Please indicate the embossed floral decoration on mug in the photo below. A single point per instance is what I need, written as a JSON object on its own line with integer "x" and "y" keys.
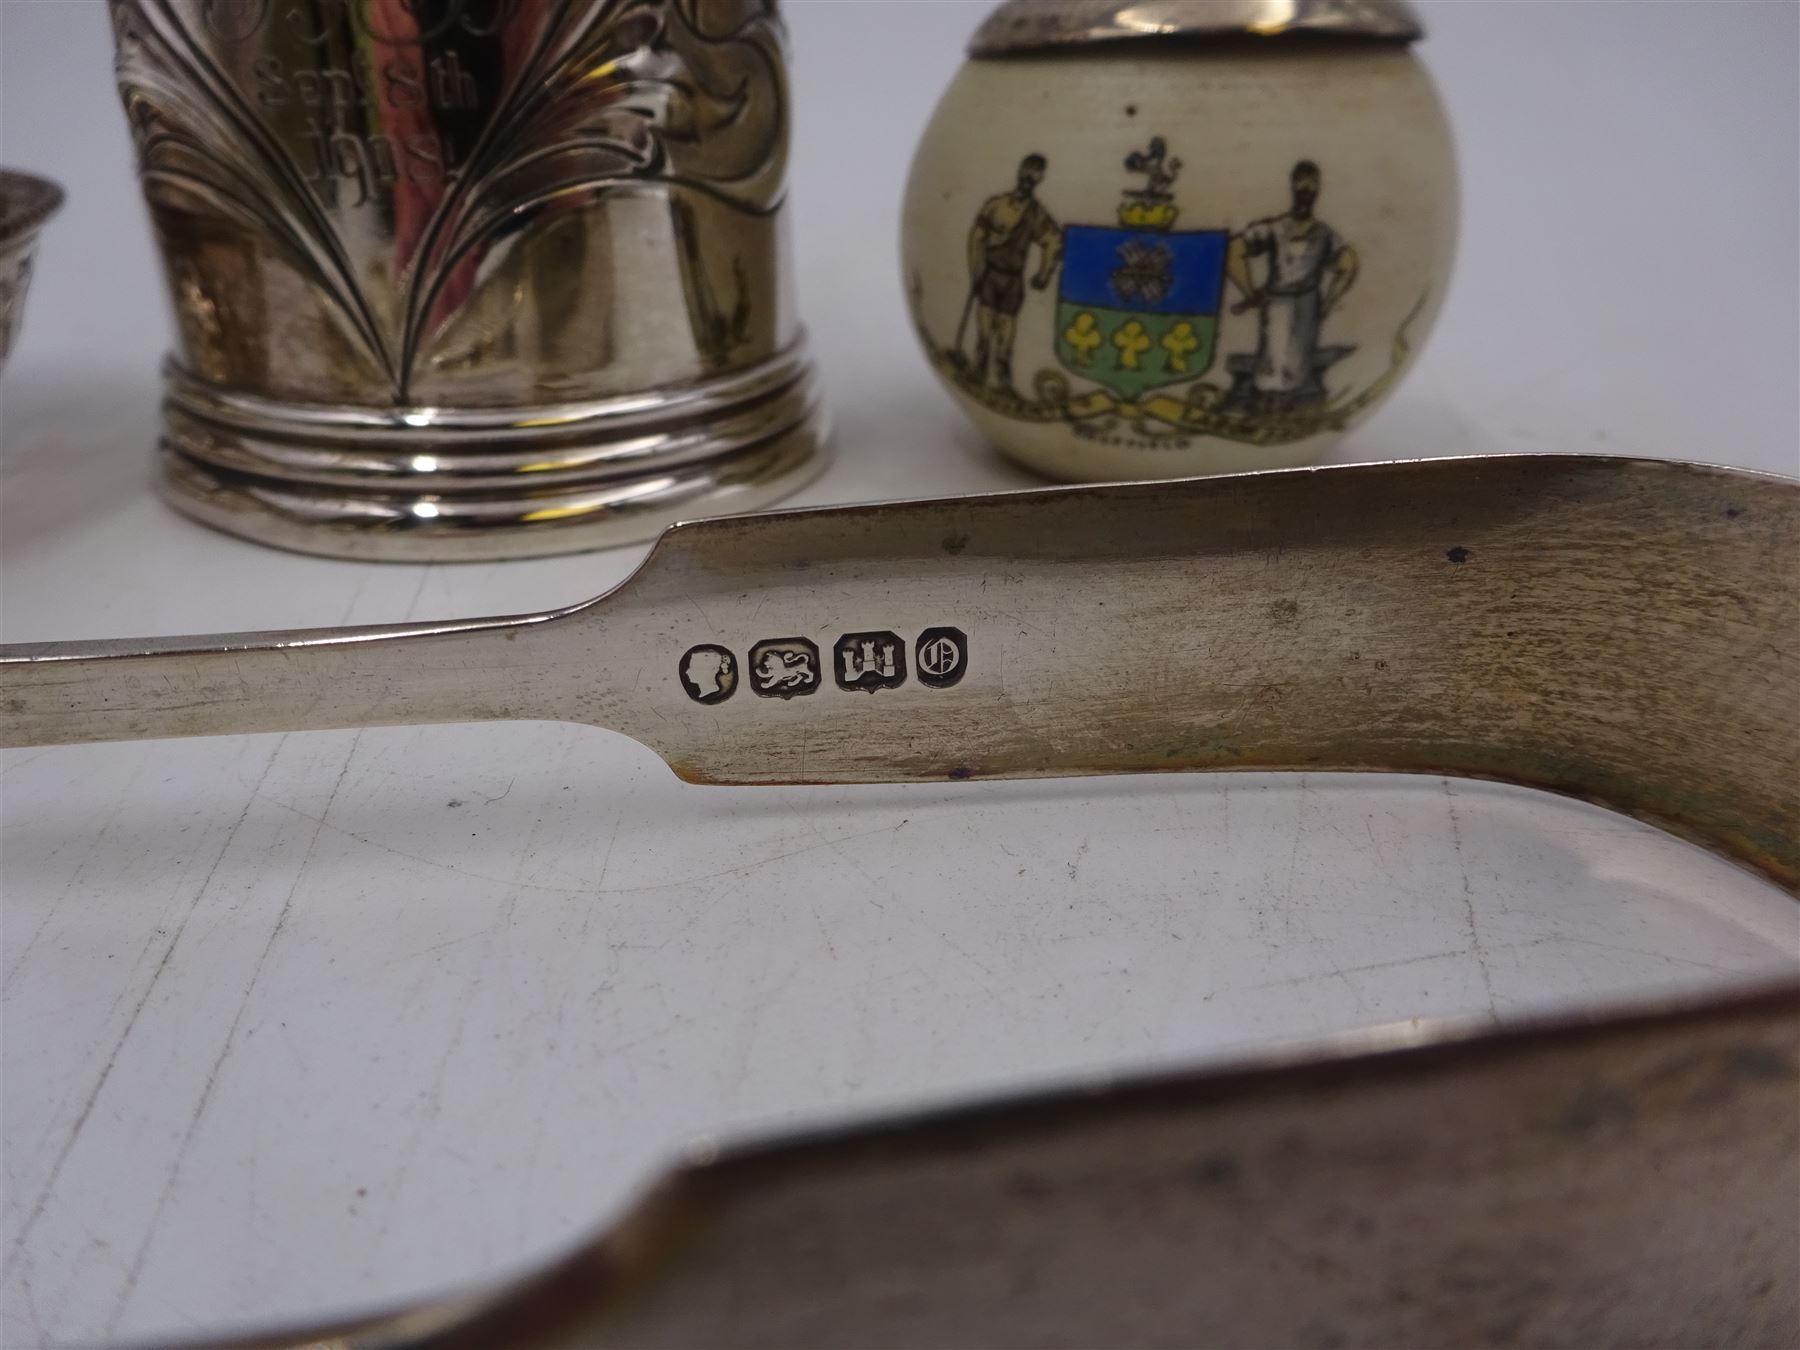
{"x": 470, "y": 278}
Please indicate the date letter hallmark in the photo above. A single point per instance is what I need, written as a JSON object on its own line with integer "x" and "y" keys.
{"x": 943, "y": 656}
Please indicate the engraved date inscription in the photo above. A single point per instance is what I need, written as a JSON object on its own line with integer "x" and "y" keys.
{"x": 336, "y": 105}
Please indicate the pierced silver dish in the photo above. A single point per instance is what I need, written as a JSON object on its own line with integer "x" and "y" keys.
{"x": 26, "y": 202}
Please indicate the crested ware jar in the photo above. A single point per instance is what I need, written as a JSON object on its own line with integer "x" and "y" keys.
{"x": 1171, "y": 237}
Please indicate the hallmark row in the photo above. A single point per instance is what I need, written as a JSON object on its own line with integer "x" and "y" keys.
{"x": 792, "y": 667}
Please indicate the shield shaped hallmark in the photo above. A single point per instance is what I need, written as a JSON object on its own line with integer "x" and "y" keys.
{"x": 1139, "y": 309}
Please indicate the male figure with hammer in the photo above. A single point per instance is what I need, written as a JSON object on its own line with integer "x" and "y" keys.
{"x": 999, "y": 249}
{"x": 1309, "y": 269}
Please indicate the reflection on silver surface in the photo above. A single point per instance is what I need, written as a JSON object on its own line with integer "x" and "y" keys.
{"x": 507, "y": 260}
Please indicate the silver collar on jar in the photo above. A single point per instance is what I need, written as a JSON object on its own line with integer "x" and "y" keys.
{"x": 1020, "y": 26}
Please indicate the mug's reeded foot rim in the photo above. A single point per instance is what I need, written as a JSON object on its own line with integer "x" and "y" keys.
{"x": 412, "y": 528}
{"x": 435, "y": 485}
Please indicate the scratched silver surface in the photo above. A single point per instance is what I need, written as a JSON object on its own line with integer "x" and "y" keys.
{"x": 1463, "y": 616}
{"x": 1303, "y": 619}
{"x": 299, "y": 1023}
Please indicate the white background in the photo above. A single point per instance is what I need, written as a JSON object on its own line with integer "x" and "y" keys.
{"x": 294, "y": 1025}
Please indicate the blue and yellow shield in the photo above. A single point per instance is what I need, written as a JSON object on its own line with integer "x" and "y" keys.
{"x": 1139, "y": 309}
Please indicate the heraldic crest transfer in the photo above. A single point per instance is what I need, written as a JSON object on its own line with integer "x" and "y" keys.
{"x": 1139, "y": 308}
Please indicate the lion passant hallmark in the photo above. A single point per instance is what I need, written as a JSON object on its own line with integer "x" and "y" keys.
{"x": 1205, "y": 259}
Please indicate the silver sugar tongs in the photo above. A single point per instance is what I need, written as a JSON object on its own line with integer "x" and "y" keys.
{"x": 1620, "y": 630}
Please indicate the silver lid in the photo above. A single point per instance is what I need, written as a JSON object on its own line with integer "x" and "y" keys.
{"x": 1018, "y": 27}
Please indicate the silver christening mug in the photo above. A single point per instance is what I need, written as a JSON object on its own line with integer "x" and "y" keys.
{"x": 470, "y": 278}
